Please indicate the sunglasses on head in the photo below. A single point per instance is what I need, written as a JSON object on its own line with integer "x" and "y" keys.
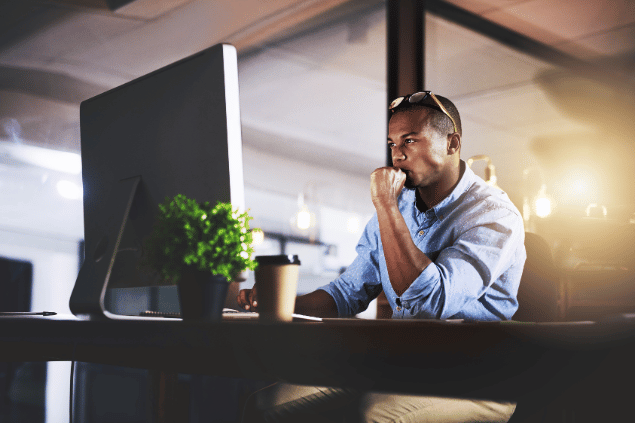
{"x": 421, "y": 97}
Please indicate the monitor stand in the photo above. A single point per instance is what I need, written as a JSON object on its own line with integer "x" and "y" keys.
{"x": 87, "y": 299}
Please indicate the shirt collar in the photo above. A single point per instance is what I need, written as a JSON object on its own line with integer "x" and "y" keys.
{"x": 448, "y": 203}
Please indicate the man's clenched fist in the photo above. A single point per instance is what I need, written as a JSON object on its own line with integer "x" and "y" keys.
{"x": 386, "y": 184}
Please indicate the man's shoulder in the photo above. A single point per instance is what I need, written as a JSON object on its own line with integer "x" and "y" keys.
{"x": 482, "y": 198}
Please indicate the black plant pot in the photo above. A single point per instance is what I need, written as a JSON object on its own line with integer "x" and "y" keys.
{"x": 202, "y": 295}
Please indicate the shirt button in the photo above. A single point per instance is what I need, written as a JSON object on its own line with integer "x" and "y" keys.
{"x": 398, "y": 308}
{"x": 421, "y": 233}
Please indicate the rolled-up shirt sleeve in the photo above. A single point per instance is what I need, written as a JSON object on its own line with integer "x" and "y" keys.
{"x": 464, "y": 271}
{"x": 360, "y": 283}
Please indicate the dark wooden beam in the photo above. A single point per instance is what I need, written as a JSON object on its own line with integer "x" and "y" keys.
{"x": 405, "y": 44}
{"x": 405, "y": 28}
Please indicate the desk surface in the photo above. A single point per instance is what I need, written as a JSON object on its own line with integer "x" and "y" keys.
{"x": 490, "y": 360}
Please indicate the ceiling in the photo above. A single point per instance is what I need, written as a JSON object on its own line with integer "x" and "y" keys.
{"x": 298, "y": 95}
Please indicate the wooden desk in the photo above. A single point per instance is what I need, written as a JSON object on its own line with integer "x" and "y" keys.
{"x": 504, "y": 361}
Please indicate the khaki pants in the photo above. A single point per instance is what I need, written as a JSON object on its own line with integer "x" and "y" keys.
{"x": 294, "y": 403}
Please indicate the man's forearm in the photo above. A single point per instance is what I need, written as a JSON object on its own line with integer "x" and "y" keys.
{"x": 404, "y": 260}
{"x": 317, "y": 303}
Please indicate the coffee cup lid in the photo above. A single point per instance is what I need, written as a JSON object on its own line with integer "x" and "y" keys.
{"x": 278, "y": 259}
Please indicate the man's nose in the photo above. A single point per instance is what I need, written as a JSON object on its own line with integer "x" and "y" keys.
{"x": 397, "y": 154}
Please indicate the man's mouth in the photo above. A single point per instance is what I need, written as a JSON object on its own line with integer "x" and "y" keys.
{"x": 408, "y": 183}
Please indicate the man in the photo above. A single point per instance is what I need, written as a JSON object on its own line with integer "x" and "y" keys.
{"x": 442, "y": 244}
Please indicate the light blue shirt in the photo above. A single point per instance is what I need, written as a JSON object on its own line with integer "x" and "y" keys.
{"x": 475, "y": 239}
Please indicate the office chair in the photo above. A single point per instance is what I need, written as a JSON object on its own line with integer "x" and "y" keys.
{"x": 539, "y": 291}
{"x": 538, "y": 299}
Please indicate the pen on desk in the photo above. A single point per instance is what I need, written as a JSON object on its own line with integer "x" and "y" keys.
{"x": 27, "y": 313}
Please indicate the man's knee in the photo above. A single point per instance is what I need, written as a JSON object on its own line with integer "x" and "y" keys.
{"x": 293, "y": 403}
{"x": 380, "y": 408}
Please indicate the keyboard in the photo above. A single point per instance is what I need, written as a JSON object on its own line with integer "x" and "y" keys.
{"x": 228, "y": 314}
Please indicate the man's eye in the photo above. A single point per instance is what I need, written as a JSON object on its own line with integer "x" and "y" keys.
{"x": 409, "y": 141}
{"x": 391, "y": 144}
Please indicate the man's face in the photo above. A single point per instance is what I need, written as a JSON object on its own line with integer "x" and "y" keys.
{"x": 417, "y": 148}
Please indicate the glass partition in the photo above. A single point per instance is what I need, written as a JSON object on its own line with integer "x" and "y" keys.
{"x": 544, "y": 127}
{"x": 314, "y": 127}
{"x": 560, "y": 141}
{"x": 505, "y": 110}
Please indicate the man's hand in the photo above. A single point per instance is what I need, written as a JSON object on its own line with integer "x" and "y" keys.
{"x": 386, "y": 184}
{"x": 404, "y": 261}
{"x": 317, "y": 303}
{"x": 248, "y": 299}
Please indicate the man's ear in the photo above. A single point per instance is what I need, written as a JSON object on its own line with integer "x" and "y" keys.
{"x": 454, "y": 143}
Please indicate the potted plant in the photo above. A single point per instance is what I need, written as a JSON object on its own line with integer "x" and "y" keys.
{"x": 201, "y": 249}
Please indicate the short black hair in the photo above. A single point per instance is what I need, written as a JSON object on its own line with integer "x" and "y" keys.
{"x": 438, "y": 119}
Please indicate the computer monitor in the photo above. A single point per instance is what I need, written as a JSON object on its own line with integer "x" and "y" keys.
{"x": 173, "y": 131}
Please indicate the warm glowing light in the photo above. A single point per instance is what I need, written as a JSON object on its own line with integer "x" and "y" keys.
{"x": 303, "y": 218}
{"x": 70, "y": 190}
{"x": 258, "y": 237}
{"x": 592, "y": 210}
{"x": 352, "y": 224}
{"x": 526, "y": 210}
{"x": 579, "y": 186}
{"x": 543, "y": 207}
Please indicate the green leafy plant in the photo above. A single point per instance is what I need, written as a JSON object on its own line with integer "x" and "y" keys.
{"x": 189, "y": 235}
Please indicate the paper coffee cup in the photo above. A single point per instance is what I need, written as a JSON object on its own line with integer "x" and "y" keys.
{"x": 277, "y": 285}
